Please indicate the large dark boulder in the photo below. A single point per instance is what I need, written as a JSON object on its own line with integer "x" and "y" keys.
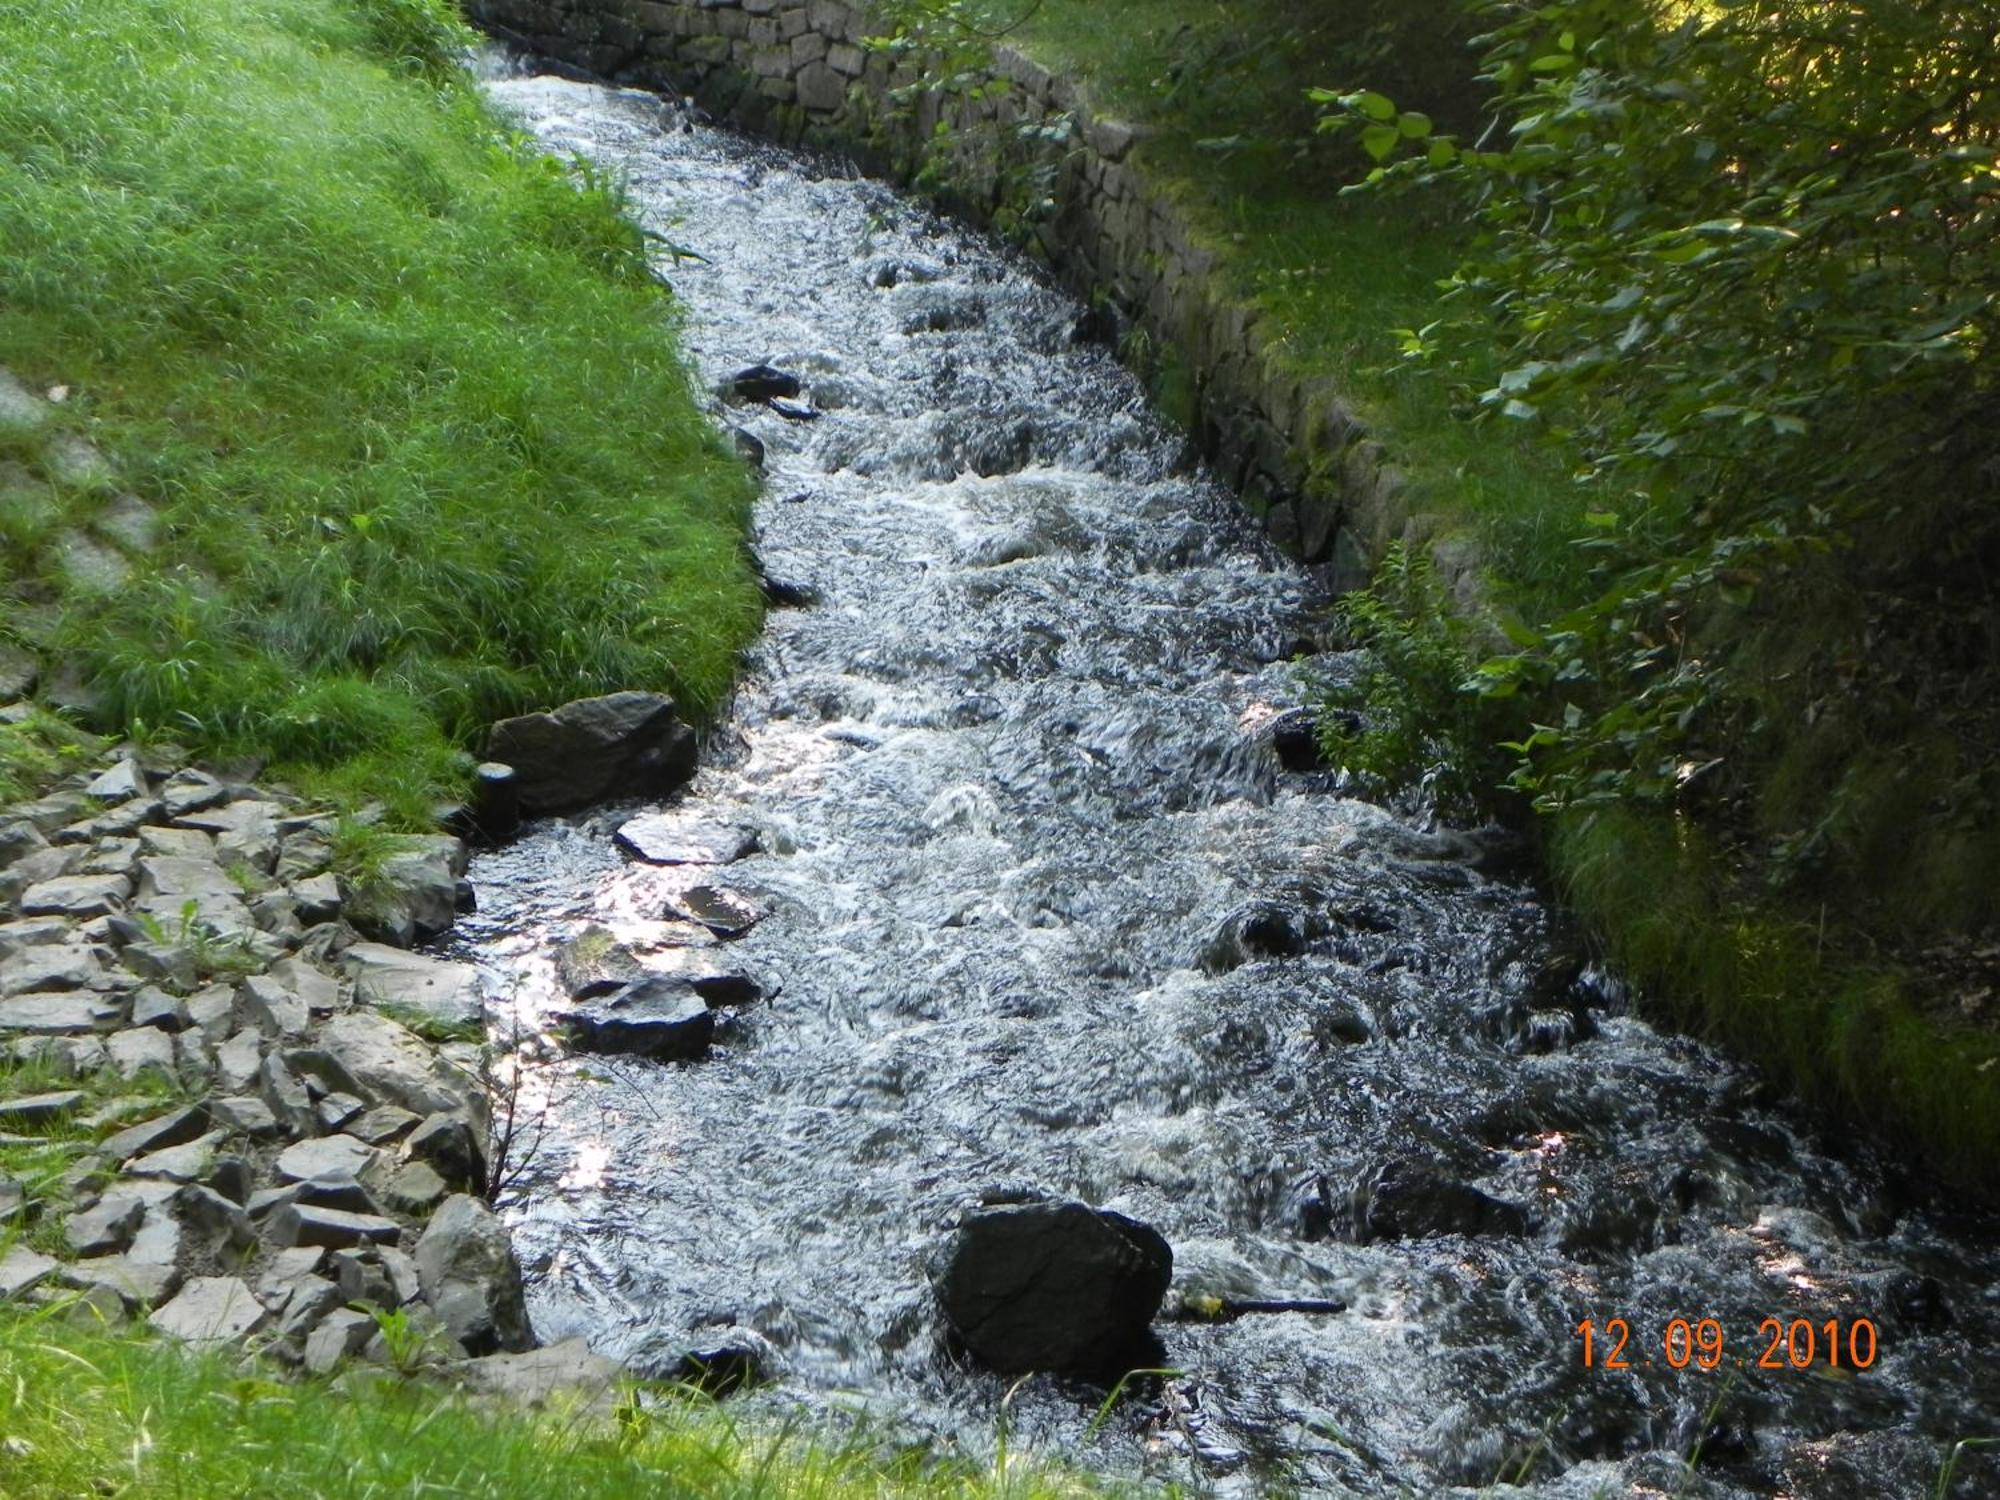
{"x": 664, "y": 1017}
{"x": 623, "y": 743}
{"x": 1056, "y": 1287}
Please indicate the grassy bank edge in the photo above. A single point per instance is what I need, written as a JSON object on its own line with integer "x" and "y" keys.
{"x": 87, "y": 1409}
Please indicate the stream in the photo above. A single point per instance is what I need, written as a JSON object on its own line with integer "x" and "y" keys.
{"x": 1046, "y": 912}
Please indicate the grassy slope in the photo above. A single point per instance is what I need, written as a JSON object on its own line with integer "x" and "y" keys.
{"x": 1221, "y": 84}
{"x": 403, "y": 392}
{"x": 87, "y": 1412}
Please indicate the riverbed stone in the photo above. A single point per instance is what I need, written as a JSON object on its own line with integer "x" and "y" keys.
{"x": 185, "y": 1163}
{"x": 52, "y": 966}
{"x": 117, "y": 784}
{"x": 470, "y": 1278}
{"x": 629, "y": 743}
{"x": 670, "y": 839}
{"x": 1059, "y": 1287}
{"x": 662, "y": 1017}
{"x": 595, "y": 963}
{"x": 726, "y": 913}
{"x": 211, "y": 1311}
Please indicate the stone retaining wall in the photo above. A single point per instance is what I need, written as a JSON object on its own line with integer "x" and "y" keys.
{"x": 1031, "y": 159}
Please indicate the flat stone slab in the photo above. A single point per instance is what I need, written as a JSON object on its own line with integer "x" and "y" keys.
{"x": 137, "y": 1283}
{"x": 178, "y": 875}
{"x": 324, "y": 1156}
{"x": 118, "y": 784}
{"x": 385, "y": 976}
{"x": 51, "y": 966}
{"x": 78, "y": 896}
{"x": 533, "y": 1379}
{"x": 187, "y": 1163}
{"x": 21, "y": 1270}
{"x": 19, "y": 406}
{"x": 211, "y": 1310}
{"x": 72, "y": 1014}
{"x": 726, "y": 913}
{"x": 672, "y": 839}
{"x": 174, "y": 1129}
{"x": 336, "y": 1229}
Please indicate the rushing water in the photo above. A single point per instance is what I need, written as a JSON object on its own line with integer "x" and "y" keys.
{"x": 1045, "y": 912}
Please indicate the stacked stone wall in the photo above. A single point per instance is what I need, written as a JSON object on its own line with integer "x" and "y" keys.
{"x": 1029, "y": 158}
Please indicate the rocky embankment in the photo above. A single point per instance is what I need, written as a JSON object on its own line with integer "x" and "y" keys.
{"x": 227, "y": 1105}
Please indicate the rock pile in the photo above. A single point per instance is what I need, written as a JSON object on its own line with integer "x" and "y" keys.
{"x": 250, "y": 1144}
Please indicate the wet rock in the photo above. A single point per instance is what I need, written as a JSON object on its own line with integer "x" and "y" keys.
{"x": 794, "y": 411}
{"x": 1294, "y": 737}
{"x": 728, "y": 914}
{"x": 717, "y": 1361}
{"x": 668, "y": 839}
{"x": 627, "y": 743}
{"x": 471, "y": 1279}
{"x": 1057, "y": 1287}
{"x": 211, "y": 1311}
{"x": 393, "y": 979}
{"x": 1259, "y": 931}
{"x": 1405, "y": 1201}
{"x": 760, "y": 383}
{"x": 749, "y": 447}
{"x": 334, "y": 1228}
{"x": 595, "y": 963}
{"x": 662, "y": 1017}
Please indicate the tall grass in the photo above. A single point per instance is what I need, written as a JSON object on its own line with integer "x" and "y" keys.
{"x": 404, "y": 392}
{"x": 86, "y": 1411}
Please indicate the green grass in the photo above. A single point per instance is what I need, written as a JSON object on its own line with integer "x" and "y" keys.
{"x": 86, "y": 1411}
{"x": 1851, "y": 1037}
{"x": 35, "y": 752}
{"x": 403, "y": 393}
{"x": 1220, "y": 85}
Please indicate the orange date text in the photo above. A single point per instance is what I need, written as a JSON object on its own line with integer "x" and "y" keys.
{"x": 1780, "y": 1344}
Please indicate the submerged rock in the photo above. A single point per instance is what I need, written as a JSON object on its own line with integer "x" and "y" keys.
{"x": 761, "y": 383}
{"x": 663, "y": 1017}
{"x": 1404, "y": 1201}
{"x": 1057, "y": 1287}
{"x": 626, "y": 743}
{"x": 719, "y": 1361}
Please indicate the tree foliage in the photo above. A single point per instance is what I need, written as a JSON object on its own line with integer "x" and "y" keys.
{"x": 1742, "y": 255}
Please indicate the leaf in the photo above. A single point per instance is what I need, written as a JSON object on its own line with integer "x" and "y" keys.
{"x": 1375, "y": 106}
{"x": 1379, "y": 140}
{"x": 1442, "y": 153}
{"x": 1554, "y": 62}
{"x": 1413, "y": 125}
